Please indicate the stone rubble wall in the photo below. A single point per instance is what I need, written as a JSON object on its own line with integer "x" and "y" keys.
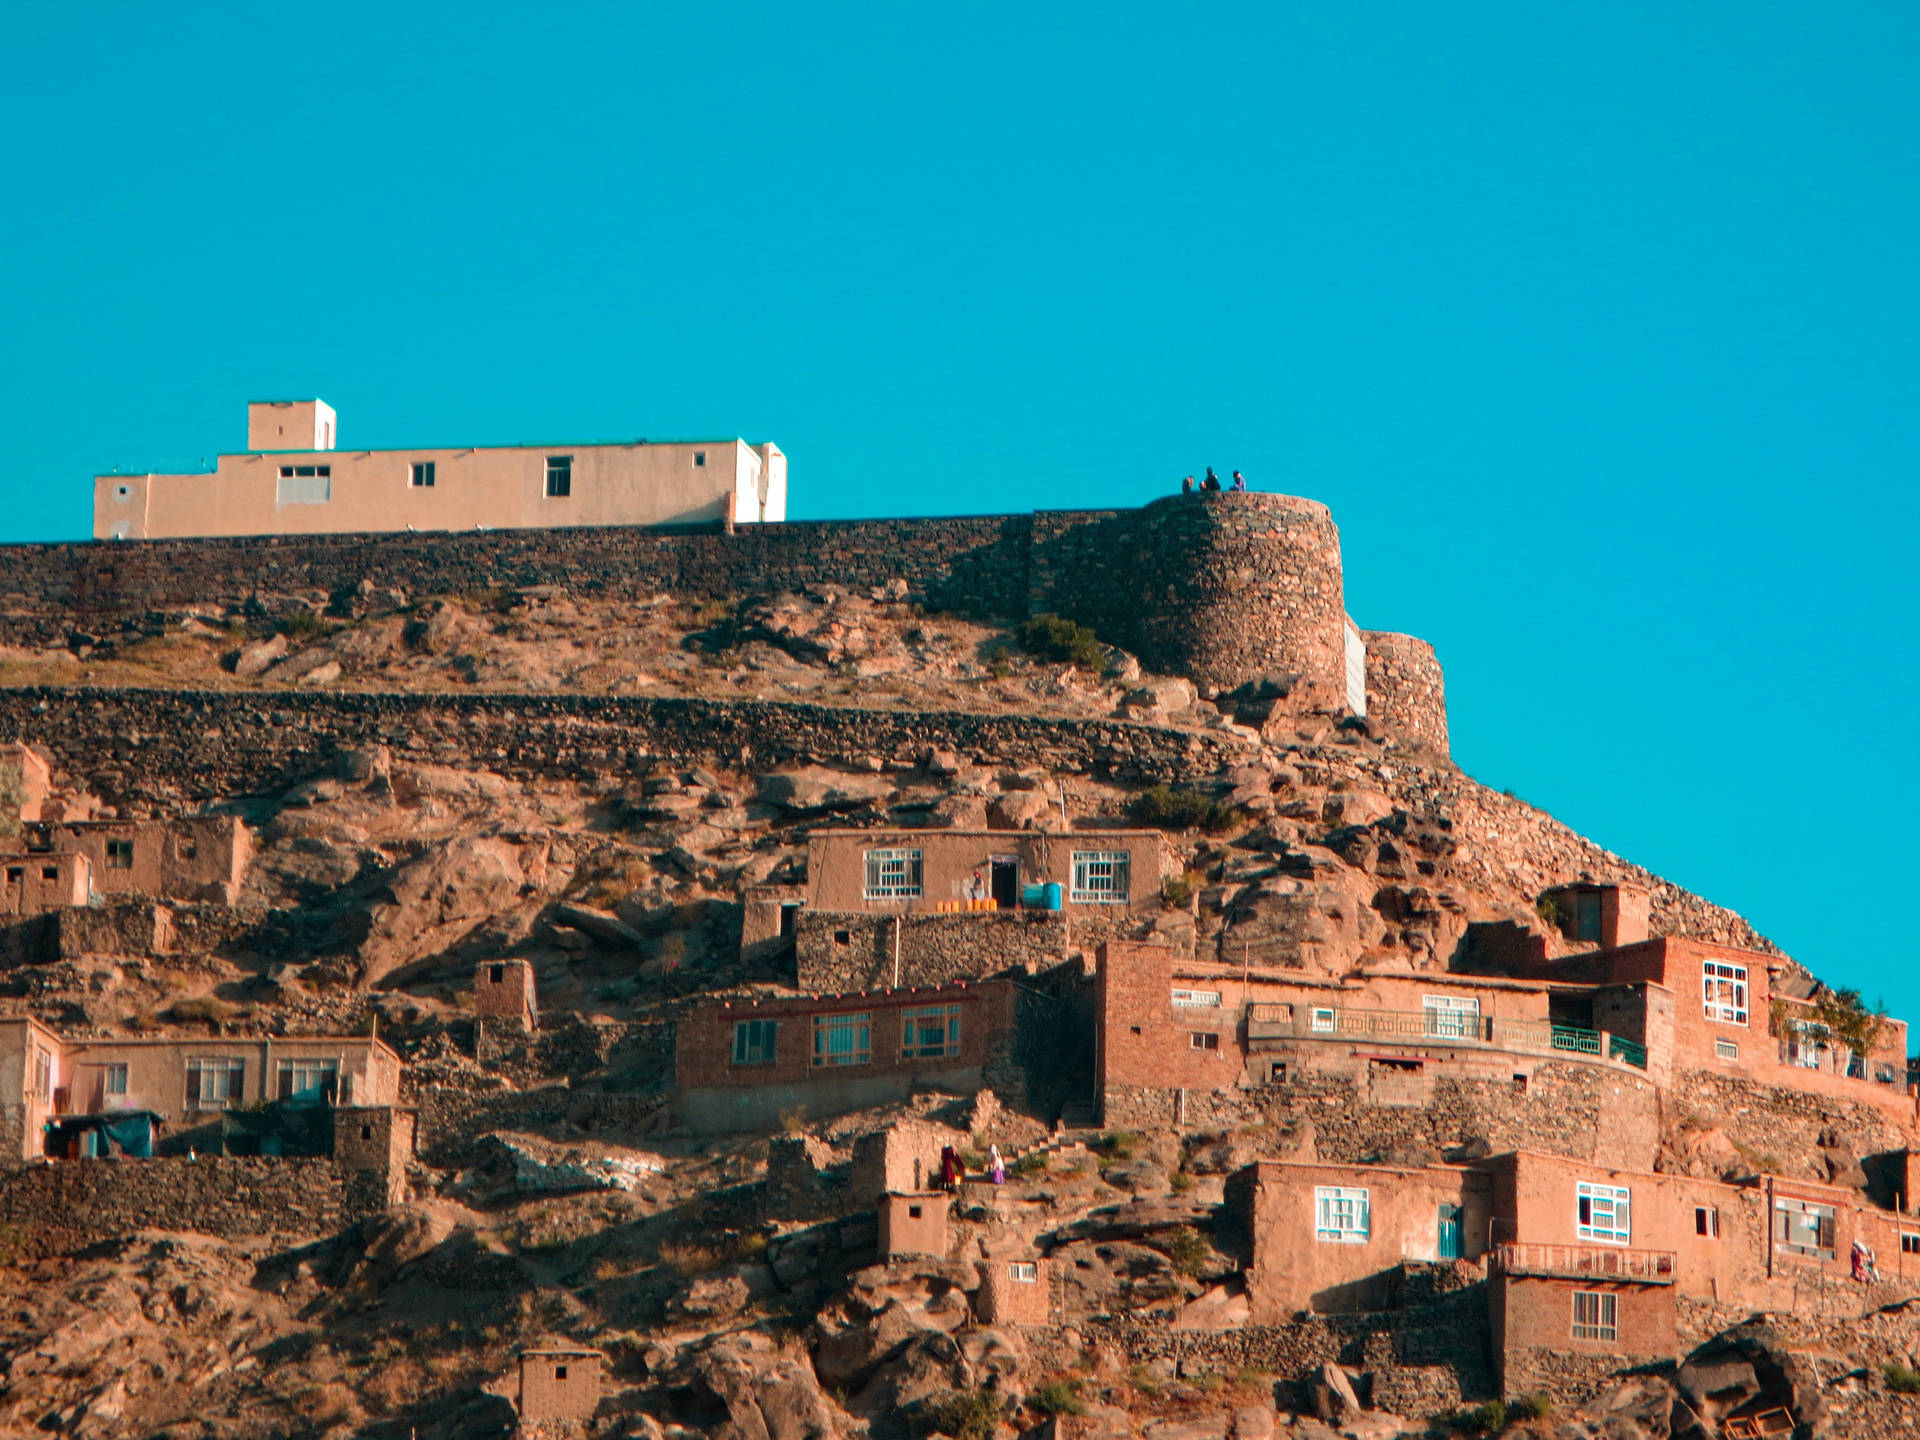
{"x": 172, "y": 747}
{"x": 453, "y": 1124}
{"x": 55, "y": 1208}
{"x": 935, "y": 949}
{"x": 1406, "y": 689}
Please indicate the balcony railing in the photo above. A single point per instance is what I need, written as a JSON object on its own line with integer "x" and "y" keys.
{"x": 1270, "y": 1022}
{"x": 1585, "y": 1262}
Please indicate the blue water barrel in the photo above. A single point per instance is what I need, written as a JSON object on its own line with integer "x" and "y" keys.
{"x": 1033, "y": 897}
{"x": 1056, "y": 898}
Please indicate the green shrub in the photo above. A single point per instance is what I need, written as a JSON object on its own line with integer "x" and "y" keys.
{"x": 999, "y": 666}
{"x": 1029, "y": 1165}
{"x": 1176, "y": 891}
{"x": 1050, "y": 637}
{"x": 1489, "y": 1417}
{"x": 1142, "y": 1380}
{"x": 1902, "y": 1380}
{"x": 965, "y": 1414}
{"x": 1058, "y": 1397}
{"x": 1537, "y": 1406}
{"x": 1119, "y": 1144}
{"x": 1181, "y": 1182}
{"x": 1165, "y": 808}
{"x": 1188, "y": 1250}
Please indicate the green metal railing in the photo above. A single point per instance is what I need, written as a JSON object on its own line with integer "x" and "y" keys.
{"x": 1580, "y": 1042}
{"x": 1631, "y": 1051}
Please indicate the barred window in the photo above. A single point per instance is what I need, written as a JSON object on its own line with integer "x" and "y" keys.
{"x": 1323, "y": 1021}
{"x": 842, "y": 1039}
{"x": 753, "y": 1041}
{"x": 893, "y": 874}
{"x": 930, "y": 1031}
{"x": 1726, "y": 1049}
{"x": 1340, "y": 1215}
{"x": 1723, "y": 990}
{"x": 1605, "y": 1213}
{"x": 1452, "y": 1017}
{"x": 1023, "y": 1272}
{"x": 1596, "y": 1315}
{"x": 1101, "y": 877}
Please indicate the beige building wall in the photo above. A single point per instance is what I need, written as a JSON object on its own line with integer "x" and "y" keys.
{"x": 34, "y": 884}
{"x": 279, "y": 489}
{"x": 954, "y": 861}
{"x": 291, "y": 425}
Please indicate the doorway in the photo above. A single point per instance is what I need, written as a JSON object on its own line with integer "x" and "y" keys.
{"x": 1449, "y": 1231}
{"x": 1006, "y": 881}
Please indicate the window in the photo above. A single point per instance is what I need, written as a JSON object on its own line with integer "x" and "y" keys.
{"x": 930, "y": 1031}
{"x": 423, "y": 474}
{"x": 1341, "y": 1216}
{"x": 1604, "y": 1213}
{"x": 1706, "y": 1221}
{"x": 116, "y": 1080}
{"x": 559, "y": 475}
{"x": 1909, "y": 1243}
{"x": 1452, "y": 1017}
{"x": 1322, "y": 1022}
{"x": 753, "y": 1041}
{"x": 1723, "y": 990}
{"x": 119, "y": 854}
{"x": 366, "y": 1132}
{"x": 841, "y": 1039}
{"x": 308, "y": 1082}
{"x": 1202, "y": 1040}
{"x": 185, "y": 847}
{"x": 1196, "y": 999}
{"x": 913, "y": 1212}
{"x": 49, "y": 872}
{"x": 1024, "y": 1272}
{"x": 699, "y": 459}
{"x": 497, "y": 974}
{"x": 559, "y": 1372}
{"x": 1100, "y": 877}
{"x": 42, "y": 1073}
{"x": 305, "y": 485}
{"x": 1595, "y": 1315}
{"x": 1586, "y": 915}
{"x": 16, "y": 873}
{"x": 893, "y": 874}
{"x": 215, "y": 1084}
{"x": 1803, "y": 1228}
{"x": 1883, "y": 1075}
{"x": 1806, "y": 1043}
{"x": 1727, "y": 1049}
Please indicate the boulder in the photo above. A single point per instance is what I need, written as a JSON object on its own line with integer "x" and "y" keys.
{"x": 255, "y": 658}
{"x": 1333, "y": 1397}
{"x": 814, "y": 789}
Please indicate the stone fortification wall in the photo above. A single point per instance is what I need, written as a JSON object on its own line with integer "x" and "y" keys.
{"x": 1587, "y": 1112}
{"x": 174, "y": 746}
{"x": 1225, "y": 587}
{"x": 54, "y": 1208}
{"x": 1406, "y": 689}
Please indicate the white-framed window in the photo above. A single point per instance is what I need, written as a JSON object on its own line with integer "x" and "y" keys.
{"x": 930, "y": 1031}
{"x": 843, "y": 1039}
{"x": 1452, "y": 1017}
{"x": 308, "y": 1082}
{"x": 753, "y": 1041}
{"x": 1101, "y": 877}
{"x": 1806, "y": 1043}
{"x": 216, "y": 1084}
{"x": 1195, "y": 999}
{"x": 893, "y": 874}
{"x": 559, "y": 476}
{"x": 1804, "y": 1228}
{"x": 1202, "y": 1040}
{"x": 1706, "y": 1222}
{"x": 1909, "y": 1243}
{"x": 1726, "y": 1049}
{"x": 116, "y": 1083}
{"x": 1341, "y": 1216}
{"x": 1024, "y": 1272}
{"x": 1604, "y": 1213}
{"x": 423, "y": 474}
{"x": 1596, "y": 1315}
{"x": 1323, "y": 1020}
{"x": 1723, "y": 991}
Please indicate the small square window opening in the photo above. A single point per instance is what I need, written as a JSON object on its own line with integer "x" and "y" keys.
{"x": 49, "y": 872}
{"x": 423, "y": 474}
{"x": 119, "y": 854}
{"x": 559, "y": 476}
{"x": 559, "y": 1372}
{"x": 913, "y": 1212}
{"x": 1706, "y": 1221}
{"x": 699, "y": 458}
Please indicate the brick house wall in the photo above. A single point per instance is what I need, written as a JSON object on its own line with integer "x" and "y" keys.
{"x": 1007, "y": 1296}
{"x": 375, "y": 1141}
{"x": 33, "y": 883}
{"x": 1535, "y": 1348}
{"x": 560, "y": 1384}
{"x": 841, "y": 950}
{"x": 954, "y": 863}
{"x": 504, "y": 990}
{"x": 191, "y": 858}
{"x": 714, "y": 1093}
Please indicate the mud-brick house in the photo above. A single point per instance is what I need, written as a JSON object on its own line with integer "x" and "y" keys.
{"x": 743, "y": 1063}
{"x": 915, "y": 907}
{"x": 200, "y": 858}
{"x": 59, "y": 1096}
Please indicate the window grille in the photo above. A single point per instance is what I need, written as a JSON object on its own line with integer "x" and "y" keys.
{"x": 1726, "y": 1049}
{"x": 1101, "y": 877}
{"x": 1023, "y": 1272}
{"x": 1342, "y": 1216}
{"x": 1452, "y": 1017}
{"x": 1596, "y": 1315}
{"x": 753, "y": 1041}
{"x": 1605, "y": 1213}
{"x": 216, "y": 1084}
{"x": 893, "y": 874}
{"x": 1801, "y": 1227}
{"x": 842, "y": 1039}
{"x": 1723, "y": 990}
{"x": 1323, "y": 1021}
{"x": 930, "y": 1031}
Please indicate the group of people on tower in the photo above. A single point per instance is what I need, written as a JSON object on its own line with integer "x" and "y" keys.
{"x": 1212, "y": 482}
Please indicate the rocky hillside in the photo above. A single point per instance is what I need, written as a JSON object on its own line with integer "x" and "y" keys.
{"x": 729, "y": 1297}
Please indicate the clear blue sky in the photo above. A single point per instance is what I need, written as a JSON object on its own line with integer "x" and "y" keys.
{"x": 1596, "y": 325}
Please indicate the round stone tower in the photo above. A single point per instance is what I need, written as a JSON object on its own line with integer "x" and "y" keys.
{"x": 1406, "y": 689}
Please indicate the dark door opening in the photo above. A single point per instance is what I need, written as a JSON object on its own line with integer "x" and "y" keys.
{"x": 789, "y": 919}
{"x": 1006, "y": 881}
